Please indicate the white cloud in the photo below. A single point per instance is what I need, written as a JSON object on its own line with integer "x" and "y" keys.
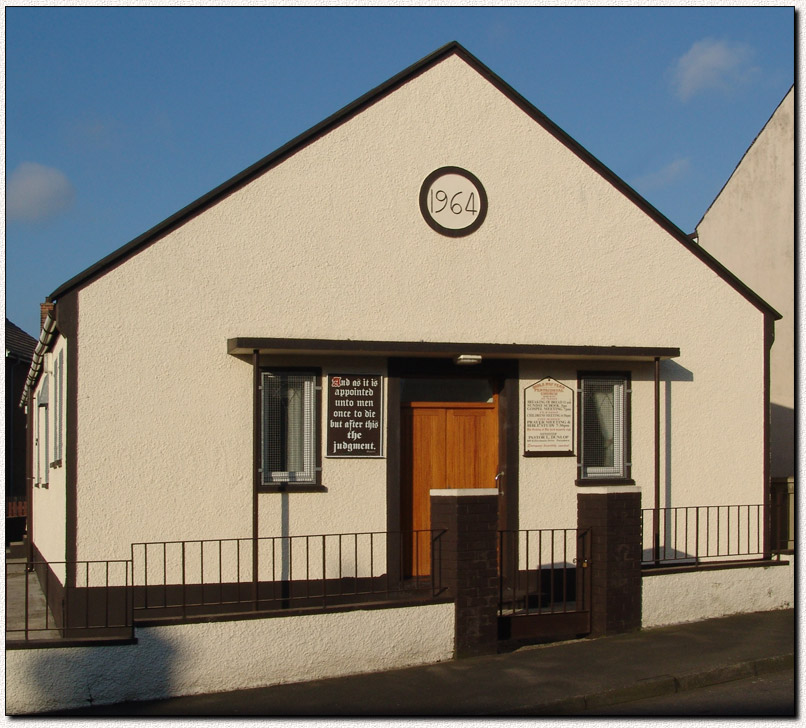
{"x": 664, "y": 176}
{"x": 712, "y": 65}
{"x": 36, "y": 192}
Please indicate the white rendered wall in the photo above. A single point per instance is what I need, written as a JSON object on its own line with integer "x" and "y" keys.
{"x": 331, "y": 244}
{"x": 49, "y": 503}
{"x": 193, "y": 659}
{"x": 750, "y": 227}
{"x": 697, "y": 595}
{"x": 207, "y": 493}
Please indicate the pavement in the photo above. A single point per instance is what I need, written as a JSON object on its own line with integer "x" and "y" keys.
{"x": 558, "y": 679}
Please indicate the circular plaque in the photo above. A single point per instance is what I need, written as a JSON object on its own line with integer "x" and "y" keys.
{"x": 453, "y": 201}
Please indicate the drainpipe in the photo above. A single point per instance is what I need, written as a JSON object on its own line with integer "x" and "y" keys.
{"x": 29, "y": 487}
{"x": 769, "y": 340}
{"x": 656, "y": 510}
{"x": 256, "y": 468}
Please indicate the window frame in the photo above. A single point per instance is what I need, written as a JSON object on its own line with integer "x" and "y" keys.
{"x": 621, "y": 474}
{"x": 274, "y": 486}
{"x": 43, "y": 433}
{"x": 58, "y": 408}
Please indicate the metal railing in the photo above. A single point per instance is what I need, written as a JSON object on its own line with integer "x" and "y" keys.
{"x": 696, "y": 534}
{"x": 209, "y": 576}
{"x": 543, "y": 571}
{"x": 68, "y": 599}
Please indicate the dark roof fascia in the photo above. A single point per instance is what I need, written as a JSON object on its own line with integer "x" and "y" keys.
{"x": 359, "y": 105}
{"x": 243, "y": 346}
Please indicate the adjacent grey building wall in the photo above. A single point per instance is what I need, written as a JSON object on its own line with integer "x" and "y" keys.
{"x": 750, "y": 228}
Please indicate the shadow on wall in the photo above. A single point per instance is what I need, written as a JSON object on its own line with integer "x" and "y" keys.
{"x": 57, "y": 680}
{"x": 782, "y": 441}
{"x": 670, "y": 371}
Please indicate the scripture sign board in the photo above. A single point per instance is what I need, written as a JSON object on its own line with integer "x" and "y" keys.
{"x": 548, "y": 410}
{"x": 354, "y": 403}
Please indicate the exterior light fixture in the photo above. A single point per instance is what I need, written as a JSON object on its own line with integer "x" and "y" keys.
{"x": 467, "y": 360}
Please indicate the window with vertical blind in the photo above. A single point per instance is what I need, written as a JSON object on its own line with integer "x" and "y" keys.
{"x": 42, "y": 434}
{"x": 289, "y": 425}
{"x": 58, "y": 407}
{"x": 604, "y": 426}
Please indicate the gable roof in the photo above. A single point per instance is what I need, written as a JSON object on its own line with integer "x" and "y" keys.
{"x": 345, "y": 114}
{"x": 19, "y": 344}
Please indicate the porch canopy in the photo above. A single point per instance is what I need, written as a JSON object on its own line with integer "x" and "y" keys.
{"x": 247, "y": 346}
{"x": 253, "y": 347}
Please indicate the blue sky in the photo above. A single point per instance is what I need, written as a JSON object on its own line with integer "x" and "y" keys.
{"x": 118, "y": 117}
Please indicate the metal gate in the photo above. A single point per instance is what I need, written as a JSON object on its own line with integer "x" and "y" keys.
{"x": 544, "y": 584}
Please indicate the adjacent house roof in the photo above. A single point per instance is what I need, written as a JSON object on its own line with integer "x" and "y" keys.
{"x": 19, "y": 344}
{"x": 132, "y": 248}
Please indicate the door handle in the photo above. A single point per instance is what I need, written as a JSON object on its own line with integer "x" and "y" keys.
{"x": 498, "y": 481}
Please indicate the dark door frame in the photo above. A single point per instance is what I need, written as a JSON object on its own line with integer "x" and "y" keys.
{"x": 505, "y": 372}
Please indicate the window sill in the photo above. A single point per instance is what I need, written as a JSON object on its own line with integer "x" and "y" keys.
{"x": 291, "y": 488}
{"x": 604, "y": 481}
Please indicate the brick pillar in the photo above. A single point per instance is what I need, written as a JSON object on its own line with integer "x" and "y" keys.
{"x": 469, "y": 552}
{"x": 615, "y": 520}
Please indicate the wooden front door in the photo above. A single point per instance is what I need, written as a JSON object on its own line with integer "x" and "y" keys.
{"x": 444, "y": 445}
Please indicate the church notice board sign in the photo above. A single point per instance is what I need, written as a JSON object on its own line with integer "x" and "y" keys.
{"x": 548, "y": 416}
{"x": 354, "y": 409}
